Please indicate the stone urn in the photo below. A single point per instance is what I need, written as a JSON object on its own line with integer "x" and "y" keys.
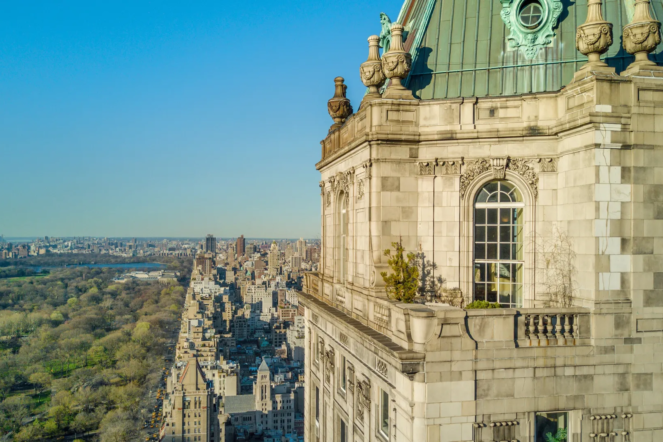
{"x": 594, "y": 37}
{"x": 396, "y": 65}
{"x": 641, "y": 37}
{"x": 339, "y": 106}
{"x": 371, "y": 71}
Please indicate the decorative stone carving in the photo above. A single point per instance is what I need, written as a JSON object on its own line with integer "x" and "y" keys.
{"x": 538, "y": 31}
{"x": 426, "y": 168}
{"x": 547, "y": 164}
{"x": 396, "y": 64}
{"x": 329, "y": 357}
{"x": 381, "y": 367}
{"x": 473, "y": 170}
{"x": 523, "y": 169}
{"x": 641, "y": 37}
{"x": 367, "y": 168}
{"x": 363, "y": 398}
{"x": 499, "y": 168}
{"x": 339, "y": 106}
{"x": 381, "y": 315}
{"x": 322, "y": 188}
{"x": 328, "y": 199}
{"x": 449, "y": 167}
{"x": 315, "y": 318}
{"x": 371, "y": 71}
{"x": 344, "y": 339}
{"x": 360, "y": 189}
{"x": 594, "y": 37}
{"x": 385, "y": 33}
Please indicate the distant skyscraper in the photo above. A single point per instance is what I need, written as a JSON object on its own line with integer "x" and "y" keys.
{"x": 301, "y": 247}
{"x": 250, "y": 249}
{"x": 273, "y": 259}
{"x": 210, "y": 244}
{"x": 241, "y": 246}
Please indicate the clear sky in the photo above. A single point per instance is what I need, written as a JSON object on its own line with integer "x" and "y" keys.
{"x": 172, "y": 118}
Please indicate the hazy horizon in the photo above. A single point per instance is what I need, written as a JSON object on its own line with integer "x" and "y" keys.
{"x": 161, "y": 119}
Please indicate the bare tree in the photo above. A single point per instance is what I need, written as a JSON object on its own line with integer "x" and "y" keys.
{"x": 560, "y": 268}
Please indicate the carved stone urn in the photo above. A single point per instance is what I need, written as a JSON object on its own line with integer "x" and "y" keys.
{"x": 339, "y": 106}
{"x": 641, "y": 37}
{"x": 371, "y": 71}
{"x": 594, "y": 37}
{"x": 396, "y": 65}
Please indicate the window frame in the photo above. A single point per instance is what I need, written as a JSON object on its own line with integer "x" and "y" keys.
{"x": 569, "y": 424}
{"x": 343, "y": 384}
{"x": 384, "y": 411}
{"x": 516, "y": 221}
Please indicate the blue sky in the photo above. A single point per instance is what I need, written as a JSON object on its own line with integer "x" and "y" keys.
{"x": 165, "y": 118}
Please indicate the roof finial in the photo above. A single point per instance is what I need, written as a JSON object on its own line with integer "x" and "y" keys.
{"x": 339, "y": 106}
{"x": 594, "y": 37}
{"x": 641, "y": 37}
{"x": 396, "y": 65}
{"x": 371, "y": 71}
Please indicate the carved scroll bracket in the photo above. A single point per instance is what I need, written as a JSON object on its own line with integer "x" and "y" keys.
{"x": 499, "y": 166}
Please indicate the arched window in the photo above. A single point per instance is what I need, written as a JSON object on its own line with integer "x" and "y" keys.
{"x": 343, "y": 238}
{"x": 498, "y": 244}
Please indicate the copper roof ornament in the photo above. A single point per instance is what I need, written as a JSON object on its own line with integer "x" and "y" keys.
{"x": 371, "y": 71}
{"x": 593, "y": 38}
{"x": 396, "y": 64}
{"x": 641, "y": 37}
{"x": 339, "y": 106}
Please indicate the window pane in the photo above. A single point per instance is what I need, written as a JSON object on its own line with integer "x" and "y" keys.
{"x": 483, "y": 195}
{"x": 492, "y": 251}
{"x": 492, "y": 233}
{"x": 491, "y": 295}
{"x": 505, "y": 251}
{"x": 480, "y": 251}
{"x": 480, "y": 292}
{"x": 493, "y": 197}
{"x": 384, "y": 415}
{"x": 492, "y": 187}
{"x": 480, "y": 232}
{"x": 505, "y": 233}
{"x": 480, "y": 216}
{"x": 505, "y": 216}
{"x": 492, "y": 216}
{"x": 555, "y": 424}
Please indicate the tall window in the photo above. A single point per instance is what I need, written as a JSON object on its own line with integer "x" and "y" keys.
{"x": 343, "y": 238}
{"x": 317, "y": 413}
{"x": 344, "y": 379}
{"x": 344, "y": 432}
{"x": 384, "y": 413}
{"x": 498, "y": 244}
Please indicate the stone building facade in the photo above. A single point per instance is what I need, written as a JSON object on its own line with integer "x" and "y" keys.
{"x": 550, "y": 203}
{"x": 190, "y": 412}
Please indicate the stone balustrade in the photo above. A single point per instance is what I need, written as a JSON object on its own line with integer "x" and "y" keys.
{"x": 415, "y": 326}
{"x": 548, "y": 327}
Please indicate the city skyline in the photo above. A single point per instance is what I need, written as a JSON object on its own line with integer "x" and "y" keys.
{"x": 126, "y": 119}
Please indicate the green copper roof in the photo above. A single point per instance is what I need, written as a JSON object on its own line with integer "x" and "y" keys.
{"x": 461, "y": 48}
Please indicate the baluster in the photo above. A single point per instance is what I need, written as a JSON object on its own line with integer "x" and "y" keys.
{"x": 537, "y": 328}
{"x": 545, "y": 328}
{"x": 575, "y": 327}
{"x": 530, "y": 329}
{"x": 567, "y": 328}
{"x": 558, "y": 328}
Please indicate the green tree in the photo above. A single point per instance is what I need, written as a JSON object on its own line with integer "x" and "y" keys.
{"x": 403, "y": 280}
{"x": 29, "y": 433}
{"x": 42, "y": 379}
{"x": 14, "y": 409}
